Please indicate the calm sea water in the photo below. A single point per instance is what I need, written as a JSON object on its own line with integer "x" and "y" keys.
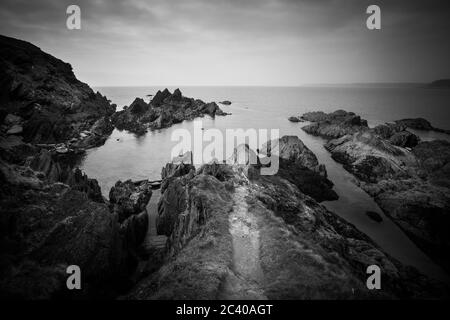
{"x": 126, "y": 156}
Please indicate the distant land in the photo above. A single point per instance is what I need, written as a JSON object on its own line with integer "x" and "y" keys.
{"x": 442, "y": 83}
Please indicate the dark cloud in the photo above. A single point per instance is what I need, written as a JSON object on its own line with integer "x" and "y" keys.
{"x": 238, "y": 42}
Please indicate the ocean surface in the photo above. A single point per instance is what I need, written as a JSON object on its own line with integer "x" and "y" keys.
{"x": 127, "y": 156}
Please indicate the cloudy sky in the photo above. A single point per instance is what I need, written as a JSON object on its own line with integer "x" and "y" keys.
{"x": 238, "y": 42}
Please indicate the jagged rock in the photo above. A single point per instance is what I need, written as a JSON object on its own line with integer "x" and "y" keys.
{"x": 55, "y": 168}
{"x": 164, "y": 110}
{"x": 55, "y": 106}
{"x": 333, "y": 125}
{"x": 410, "y": 187}
{"x": 292, "y": 227}
{"x": 48, "y": 226}
{"x": 291, "y": 148}
{"x": 130, "y": 198}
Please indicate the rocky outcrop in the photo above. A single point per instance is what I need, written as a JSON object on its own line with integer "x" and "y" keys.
{"x": 164, "y": 110}
{"x": 43, "y": 93}
{"x": 397, "y": 135}
{"x": 410, "y": 187}
{"x": 420, "y": 124}
{"x": 333, "y": 125}
{"x": 305, "y": 251}
{"x": 300, "y": 166}
{"x": 47, "y": 226}
{"x": 130, "y": 198}
{"x": 371, "y": 158}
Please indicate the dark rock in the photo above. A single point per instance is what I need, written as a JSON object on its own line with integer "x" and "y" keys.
{"x": 333, "y": 125}
{"x": 295, "y": 119}
{"x": 129, "y": 198}
{"x": 48, "y": 226}
{"x": 45, "y": 92}
{"x": 374, "y": 216}
{"x": 164, "y": 110}
{"x": 404, "y": 139}
{"x": 195, "y": 210}
{"x": 417, "y": 123}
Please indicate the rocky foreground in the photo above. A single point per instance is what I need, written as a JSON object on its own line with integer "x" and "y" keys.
{"x": 234, "y": 234}
{"x": 52, "y": 215}
{"x": 409, "y": 179}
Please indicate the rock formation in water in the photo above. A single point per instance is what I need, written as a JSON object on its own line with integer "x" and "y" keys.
{"x": 164, "y": 110}
{"x": 411, "y": 187}
{"x": 293, "y": 248}
{"x": 333, "y": 125}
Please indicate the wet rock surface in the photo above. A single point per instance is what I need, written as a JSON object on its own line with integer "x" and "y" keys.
{"x": 164, "y": 110}
{"x": 280, "y": 229}
{"x": 408, "y": 179}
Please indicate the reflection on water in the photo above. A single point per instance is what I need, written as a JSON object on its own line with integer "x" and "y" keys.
{"x": 125, "y": 156}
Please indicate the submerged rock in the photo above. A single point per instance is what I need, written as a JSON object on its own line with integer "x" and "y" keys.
{"x": 374, "y": 216}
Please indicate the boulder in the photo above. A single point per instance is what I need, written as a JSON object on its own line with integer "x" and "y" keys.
{"x": 129, "y": 198}
{"x": 15, "y": 129}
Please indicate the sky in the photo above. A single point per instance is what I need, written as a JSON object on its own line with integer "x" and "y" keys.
{"x": 238, "y": 42}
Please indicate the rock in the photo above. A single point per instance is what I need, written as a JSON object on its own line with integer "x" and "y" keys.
{"x": 129, "y": 198}
{"x": 48, "y": 226}
{"x": 369, "y": 157}
{"x": 404, "y": 139}
{"x": 163, "y": 111}
{"x": 410, "y": 187}
{"x": 308, "y": 181}
{"x": 374, "y": 216}
{"x": 14, "y": 150}
{"x": 386, "y": 131}
{"x": 62, "y": 149}
{"x": 295, "y": 119}
{"x": 44, "y": 91}
{"x": 417, "y": 123}
{"x": 15, "y": 129}
{"x": 333, "y": 125}
{"x": 12, "y": 119}
{"x": 194, "y": 213}
{"x": 225, "y": 102}
{"x": 291, "y": 148}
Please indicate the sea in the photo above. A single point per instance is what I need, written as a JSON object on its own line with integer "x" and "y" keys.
{"x": 128, "y": 156}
